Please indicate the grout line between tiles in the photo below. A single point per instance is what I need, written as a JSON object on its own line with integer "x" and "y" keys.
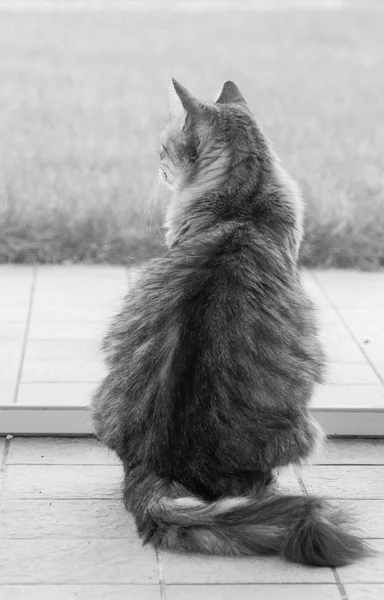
{"x": 344, "y": 322}
{"x": 256, "y": 584}
{"x": 117, "y": 464}
{"x": 66, "y": 498}
{"x": 316, "y": 282}
{"x": 160, "y": 571}
{"x": 3, "y": 463}
{"x": 118, "y": 498}
{"x": 72, "y": 464}
{"x": 32, "y": 291}
{"x": 340, "y": 586}
{"x": 191, "y": 584}
{"x": 56, "y": 381}
{"x": 300, "y": 479}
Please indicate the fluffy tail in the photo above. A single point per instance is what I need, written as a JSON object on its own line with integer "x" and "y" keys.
{"x": 299, "y": 528}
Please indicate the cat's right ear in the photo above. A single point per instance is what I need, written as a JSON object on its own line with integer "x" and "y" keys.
{"x": 230, "y": 94}
{"x": 183, "y": 103}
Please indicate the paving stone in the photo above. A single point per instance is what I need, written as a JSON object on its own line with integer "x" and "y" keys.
{"x": 342, "y": 351}
{"x": 349, "y": 396}
{"x": 366, "y": 515}
{"x": 368, "y": 328}
{"x": 66, "y": 331}
{"x": 335, "y": 330}
{"x": 347, "y": 374}
{"x": 339, "y": 345}
{"x": 56, "y": 518}
{"x": 377, "y": 360}
{"x": 9, "y": 375}
{"x": 253, "y": 592}
{"x": 192, "y": 569}
{"x": 82, "y": 287}
{"x": 63, "y": 350}
{"x": 359, "y": 452}
{"x": 14, "y": 313}
{"x": 369, "y": 570}
{"x": 67, "y": 313}
{"x": 16, "y": 272}
{"x": 328, "y": 317}
{"x": 56, "y": 394}
{"x": 54, "y": 371}
{"x": 16, "y": 287}
{"x": 287, "y": 482}
{"x": 85, "y": 592}
{"x": 9, "y": 300}
{"x": 314, "y": 290}
{"x": 10, "y": 370}
{"x": 60, "y": 451}
{"x": 7, "y": 392}
{"x": 65, "y": 280}
{"x": 353, "y": 289}
{"x": 365, "y": 324}
{"x": 20, "y": 295}
{"x": 12, "y": 331}
{"x": 344, "y": 481}
{"x": 10, "y": 352}
{"x": 365, "y": 591}
{"x": 62, "y": 481}
{"x": 104, "y": 297}
{"x": 76, "y": 561}
{"x": 48, "y": 274}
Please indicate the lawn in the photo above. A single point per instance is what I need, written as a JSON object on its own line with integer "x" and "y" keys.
{"x": 83, "y": 97}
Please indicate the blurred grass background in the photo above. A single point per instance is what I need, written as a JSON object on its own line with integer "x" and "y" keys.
{"x": 83, "y": 96}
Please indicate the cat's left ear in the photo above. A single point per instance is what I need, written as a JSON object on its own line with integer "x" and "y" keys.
{"x": 230, "y": 94}
{"x": 184, "y": 103}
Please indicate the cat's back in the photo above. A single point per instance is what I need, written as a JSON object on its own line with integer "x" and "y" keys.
{"x": 241, "y": 298}
{"x": 216, "y": 333}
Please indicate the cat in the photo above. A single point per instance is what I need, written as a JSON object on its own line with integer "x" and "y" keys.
{"x": 214, "y": 356}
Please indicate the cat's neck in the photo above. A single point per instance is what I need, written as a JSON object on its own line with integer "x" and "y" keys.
{"x": 195, "y": 208}
{"x": 186, "y": 216}
{"x": 183, "y": 210}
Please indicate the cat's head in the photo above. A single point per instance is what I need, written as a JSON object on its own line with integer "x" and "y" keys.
{"x": 205, "y": 143}
{"x": 220, "y": 165}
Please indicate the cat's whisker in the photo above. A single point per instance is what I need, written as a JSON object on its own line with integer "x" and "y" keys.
{"x": 152, "y": 205}
{"x": 148, "y": 205}
{"x": 159, "y": 202}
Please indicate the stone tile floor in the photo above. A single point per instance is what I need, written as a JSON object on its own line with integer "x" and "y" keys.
{"x": 63, "y": 529}
{"x": 64, "y": 533}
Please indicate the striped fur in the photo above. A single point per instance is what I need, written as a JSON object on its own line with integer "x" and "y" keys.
{"x": 215, "y": 355}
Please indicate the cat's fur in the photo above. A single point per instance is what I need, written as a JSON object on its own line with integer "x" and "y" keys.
{"x": 214, "y": 356}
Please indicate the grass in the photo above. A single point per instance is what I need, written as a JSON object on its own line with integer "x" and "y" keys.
{"x": 82, "y": 96}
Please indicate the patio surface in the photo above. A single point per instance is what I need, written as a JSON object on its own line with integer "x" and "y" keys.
{"x": 64, "y": 533}
{"x": 52, "y": 320}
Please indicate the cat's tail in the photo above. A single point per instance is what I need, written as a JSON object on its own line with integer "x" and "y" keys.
{"x": 299, "y": 528}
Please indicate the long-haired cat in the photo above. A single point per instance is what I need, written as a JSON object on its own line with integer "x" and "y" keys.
{"x": 214, "y": 356}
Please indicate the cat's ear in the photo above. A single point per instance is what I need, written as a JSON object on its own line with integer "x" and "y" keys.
{"x": 188, "y": 100}
{"x": 184, "y": 103}
{"x": 230, "y": 94}
{"x": 176, "y": 108}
